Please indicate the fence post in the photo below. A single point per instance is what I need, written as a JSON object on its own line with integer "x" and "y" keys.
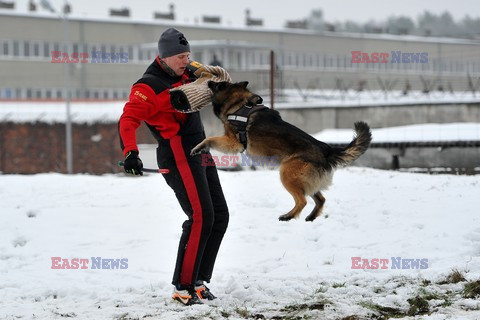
{"x": 272, "y": 78}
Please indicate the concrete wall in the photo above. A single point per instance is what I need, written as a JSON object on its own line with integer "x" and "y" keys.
{"x": 467, "y": 159}
{"x": 29, "y": 148}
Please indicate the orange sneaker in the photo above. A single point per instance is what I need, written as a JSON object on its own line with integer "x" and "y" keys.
{"x": 204, "y": 293}
{"x": 186, "y": 297}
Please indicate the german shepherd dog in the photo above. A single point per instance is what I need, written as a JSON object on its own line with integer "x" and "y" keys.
{"x": 306, "y": 164}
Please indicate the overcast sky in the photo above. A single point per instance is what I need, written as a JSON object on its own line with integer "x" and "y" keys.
{"x": 274, "y": 13}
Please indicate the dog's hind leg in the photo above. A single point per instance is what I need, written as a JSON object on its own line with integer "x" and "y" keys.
{"x": 317, "y": 210}
{"x": 292, "y": 177}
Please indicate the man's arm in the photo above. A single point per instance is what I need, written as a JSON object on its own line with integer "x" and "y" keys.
{"x": 140, "y": 106}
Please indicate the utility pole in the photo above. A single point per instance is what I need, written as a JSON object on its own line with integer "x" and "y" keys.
{"x": 272, "y": 79}
{"x": 66, "y": 83}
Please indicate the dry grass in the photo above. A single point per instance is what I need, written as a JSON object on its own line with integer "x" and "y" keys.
{"x": 472, "y": 289}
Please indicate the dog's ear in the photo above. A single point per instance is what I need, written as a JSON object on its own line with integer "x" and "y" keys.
{"x": 212, "y": 85}
{"x": 222, "y": 85}
{"x": 243, "y": 84}
{"x": 217, "y": 86}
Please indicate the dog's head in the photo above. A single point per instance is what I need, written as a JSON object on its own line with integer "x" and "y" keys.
{"x": 229, "y": 97}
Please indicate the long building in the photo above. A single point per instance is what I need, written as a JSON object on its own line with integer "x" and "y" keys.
{"x": 114, "y": 52}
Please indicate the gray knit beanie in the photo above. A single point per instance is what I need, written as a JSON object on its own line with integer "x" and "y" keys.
{"x": 172, "y": 42}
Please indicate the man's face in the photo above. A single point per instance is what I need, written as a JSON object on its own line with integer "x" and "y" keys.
{"x": 178, "y": 62}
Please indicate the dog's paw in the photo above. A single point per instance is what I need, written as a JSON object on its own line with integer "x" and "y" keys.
{"x": 310, "y": 218}
{"x": 199, "y": 148}
{"x": 285, "y": 217}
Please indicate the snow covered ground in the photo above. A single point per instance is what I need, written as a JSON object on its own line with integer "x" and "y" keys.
{"x": 266, "y": 269}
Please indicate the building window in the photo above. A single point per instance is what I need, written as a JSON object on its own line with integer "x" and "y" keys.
{"x": 319, "y": 60}
{"x": 313, "y": 60}
{"x": 130, "y": 52}
{"x": 239, "y": 60}
{"x": 83, "y": 47}
{"x": 258, "y": 58}
{"x": 16, "y": 49}
{"x": 26, "y": 49}
{"x": 7, "y": 93}
{"x": 300, "y": 60}
{"x": 46, "y": 50}
{"x": 6, "y": 48}
{"x": 36, "y": 49}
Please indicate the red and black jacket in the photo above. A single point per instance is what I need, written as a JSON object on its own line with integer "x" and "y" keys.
{"x": 149, "y": 101}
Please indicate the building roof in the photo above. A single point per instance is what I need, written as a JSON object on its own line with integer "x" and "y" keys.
{"x": 169, "y": 23}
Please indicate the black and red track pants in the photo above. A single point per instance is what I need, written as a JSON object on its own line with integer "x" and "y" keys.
{"x": 198, "y": 190}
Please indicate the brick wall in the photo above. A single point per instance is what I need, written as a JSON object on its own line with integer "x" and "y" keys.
{"x": 28, "y": 148}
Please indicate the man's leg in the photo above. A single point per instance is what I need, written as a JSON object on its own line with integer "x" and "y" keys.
{"x": 189, "y": 180}
{"x": 221, "y": 217}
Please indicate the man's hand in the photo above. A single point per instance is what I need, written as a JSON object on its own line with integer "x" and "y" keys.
{"x": 132, "y": 164}
{"x": 193, "y": 66}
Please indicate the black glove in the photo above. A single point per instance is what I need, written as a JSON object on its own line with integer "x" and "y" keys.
{"x": 132, "y": 164}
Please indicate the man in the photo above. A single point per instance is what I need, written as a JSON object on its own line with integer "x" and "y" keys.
{"x": 196, "y": 187}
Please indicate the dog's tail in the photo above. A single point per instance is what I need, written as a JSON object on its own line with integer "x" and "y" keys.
{"x": 359, "y": 144}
